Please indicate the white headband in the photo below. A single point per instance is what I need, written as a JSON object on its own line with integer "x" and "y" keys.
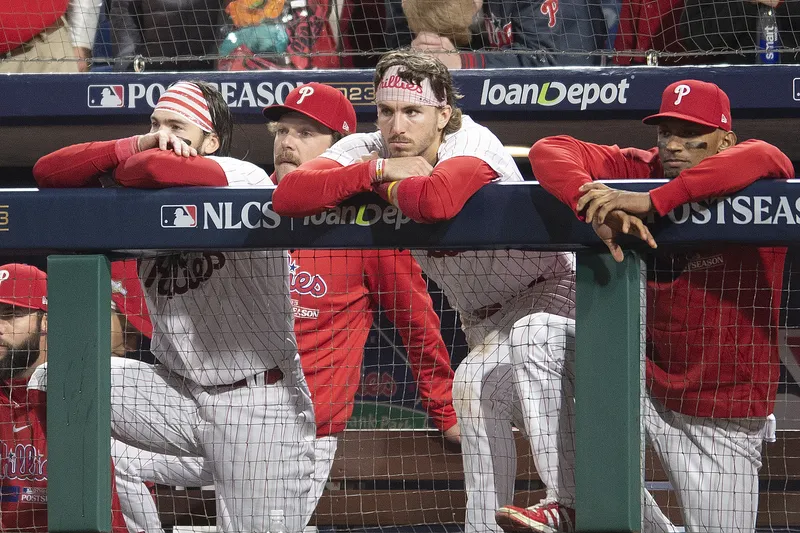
{"x": 393, "y": 88}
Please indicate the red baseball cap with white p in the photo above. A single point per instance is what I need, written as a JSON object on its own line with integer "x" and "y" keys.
{"x": 23, "y": 286}
{"x": 127, "y": 296}
{"x": 320, "y": 102}
{"x": 695, "y": 101}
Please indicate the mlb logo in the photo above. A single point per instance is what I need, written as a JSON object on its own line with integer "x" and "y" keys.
{"x": 178, "y": 216}
{"x": 106, "y": 96}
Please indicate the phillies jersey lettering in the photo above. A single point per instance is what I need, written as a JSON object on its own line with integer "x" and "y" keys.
{"x": 22, "y": 461}
{"x": 179, "y": 273}
{"x": 302, "y": 282}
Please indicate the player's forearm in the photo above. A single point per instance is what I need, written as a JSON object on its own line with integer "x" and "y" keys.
{"x": 442, "y": 195}
{"x": 81, "y": 165}
{"x": 723, "y": 174}
{"x": 310, "y": 190}
{"x": 159, "y": 169}
{"x": 431, "y": 369}
{"x": 559, "y": 168}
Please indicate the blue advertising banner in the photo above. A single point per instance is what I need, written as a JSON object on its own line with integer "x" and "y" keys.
{"x": 129, "y": 97}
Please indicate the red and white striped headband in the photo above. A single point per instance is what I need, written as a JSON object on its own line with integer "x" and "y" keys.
{"x": 187, "y": 100}
{"x": 393, "y": 88}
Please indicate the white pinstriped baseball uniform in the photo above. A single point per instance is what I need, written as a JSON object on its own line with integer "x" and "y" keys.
{"x": 220, "y": 318}
{"x": 512, "y": 284}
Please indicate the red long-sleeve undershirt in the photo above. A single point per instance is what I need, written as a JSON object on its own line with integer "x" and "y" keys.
{"x": 157, "y": 169}
{"x": 321, "y": 184}
{"x": 81, "y": 165}
{"x": 562, "y": 164}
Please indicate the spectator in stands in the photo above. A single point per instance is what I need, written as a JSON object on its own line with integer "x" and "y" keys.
{"x": 712, "y": 361}
{"x": 732, "y": 25}
{"x": 23, "y": 401}
{"x": 688, "y": 28}
{"x": 302, "y": 34}
{"x": 168, "y": 34}
{"x": 646, "y": 25}
{"x": 48, "y": 35}
{"x": 539, "y": 31}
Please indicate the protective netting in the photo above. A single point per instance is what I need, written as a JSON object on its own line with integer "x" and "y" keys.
{"x": 79, "y": 35}
{"x": 211, "y": 414}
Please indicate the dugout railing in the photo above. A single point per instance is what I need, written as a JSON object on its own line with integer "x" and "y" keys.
{"x": 77, "y": 226}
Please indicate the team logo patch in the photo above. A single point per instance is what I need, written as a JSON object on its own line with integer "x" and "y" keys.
{"x": 106, "y": 96}
{"x": 305, "y": 92}
{"x": 178, "y": 216}
{"x": 34, "y": 494}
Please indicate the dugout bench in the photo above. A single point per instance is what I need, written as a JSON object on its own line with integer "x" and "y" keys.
{"x": 395, "y": 478}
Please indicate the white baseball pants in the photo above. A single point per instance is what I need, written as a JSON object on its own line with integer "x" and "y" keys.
{"x": 257, "y": 440}
{"x": 135, "y": 466}
{"x": 712, "y": 463}
{"x": 487, "y": 404}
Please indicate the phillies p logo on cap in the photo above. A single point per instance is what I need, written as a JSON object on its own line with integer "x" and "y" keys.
{"x": 304, "y": 91}
{"x": 681, "y": 90}
{"x": 323, "y": 103}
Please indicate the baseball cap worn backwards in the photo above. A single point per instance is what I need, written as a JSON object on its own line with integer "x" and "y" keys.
{"x": 320, "y": 102}
{"x": 23, "y": 286}
{"x": 695, "y": 101}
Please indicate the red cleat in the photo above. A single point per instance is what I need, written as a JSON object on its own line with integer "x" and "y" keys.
{"x": 544, "y": 517}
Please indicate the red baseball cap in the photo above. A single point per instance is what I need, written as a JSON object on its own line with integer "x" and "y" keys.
{"x": 127, "y": 296}
{"x": 23, "y": 286}
{"x": 695, "y": 101}
{"x": 320, "y": 102}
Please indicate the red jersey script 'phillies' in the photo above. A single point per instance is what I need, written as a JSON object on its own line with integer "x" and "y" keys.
{"x": 23, "y": 460}
{"x": 712, "y": 316}
{"x": 333, "y": 294}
